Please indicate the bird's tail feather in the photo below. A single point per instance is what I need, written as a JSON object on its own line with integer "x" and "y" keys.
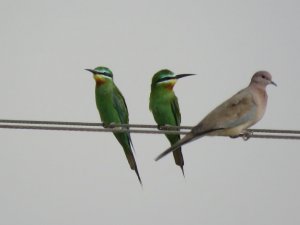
{"x": 178, "y": 157}
{"x": 187, "y": 138}
{"x": 133, "y": 165}
{"x": 125, "y": 140}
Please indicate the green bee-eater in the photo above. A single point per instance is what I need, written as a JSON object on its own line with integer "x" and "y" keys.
{"x": 113, "y": 110}
{"x": 165, "y": 108}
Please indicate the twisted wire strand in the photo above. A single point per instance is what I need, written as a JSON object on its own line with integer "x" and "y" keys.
{"x": 148, "y": 129}
{"x": 87, "y": 129}
{"x": 86, "y": 124}
{"x": 167, "y": 127}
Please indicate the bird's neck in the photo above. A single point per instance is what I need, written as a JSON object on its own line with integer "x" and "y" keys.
{"x": 163, "y": 91}
{"x": 260, "y": 88}
{"x": 100, "y": 83}
{"x": 103, "y": 88}
{"x": 169, "y": 86}
{"x": 260, "y": 95}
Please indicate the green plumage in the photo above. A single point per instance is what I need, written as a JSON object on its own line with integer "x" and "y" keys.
{"x": 113, "y": 110}
{"x": 165, "y": 108}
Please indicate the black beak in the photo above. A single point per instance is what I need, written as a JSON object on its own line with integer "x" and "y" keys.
{"x": 183, "y": 75}
{"x": 92, "y": 71}
{"x": 272, "y": 82}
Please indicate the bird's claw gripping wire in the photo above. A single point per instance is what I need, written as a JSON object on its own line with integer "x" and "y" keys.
{"x": 111, "y": 126}
{"x": 247, "y": 135}
{"x": 165, "y": 127}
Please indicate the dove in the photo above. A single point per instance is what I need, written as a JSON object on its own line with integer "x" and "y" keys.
{"x": 234, "y": 116}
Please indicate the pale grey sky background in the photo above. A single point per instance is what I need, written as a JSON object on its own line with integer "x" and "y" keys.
{"x": 70, "y": 178}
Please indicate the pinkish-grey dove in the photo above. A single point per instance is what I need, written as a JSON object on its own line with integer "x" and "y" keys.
{"x": 233, "y": 116}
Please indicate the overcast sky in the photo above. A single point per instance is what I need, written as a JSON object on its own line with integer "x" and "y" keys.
{"x": 74, "y": 178}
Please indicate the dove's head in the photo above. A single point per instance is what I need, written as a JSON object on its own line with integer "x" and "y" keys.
{"x": 262, "y": 78}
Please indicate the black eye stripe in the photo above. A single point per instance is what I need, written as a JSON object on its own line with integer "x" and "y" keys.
{"x": 165, "y": 78}
{"x": 106, "y": 74}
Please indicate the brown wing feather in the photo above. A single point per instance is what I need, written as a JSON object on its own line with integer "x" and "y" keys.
{"x": 236, "y": 110}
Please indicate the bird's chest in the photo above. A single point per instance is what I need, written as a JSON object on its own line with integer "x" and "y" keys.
{"x": 104, "y": 100}
{"x": 161, "y": 104}
{"x": 260, "y": 99}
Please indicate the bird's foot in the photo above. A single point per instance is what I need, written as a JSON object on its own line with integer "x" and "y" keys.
{"x": 109, "y": 125}
{"x": 160, "y": 127}
{"x": 165, "y": 127}
{"x": 247, "y": 135}
{"x": 236, "y": 136}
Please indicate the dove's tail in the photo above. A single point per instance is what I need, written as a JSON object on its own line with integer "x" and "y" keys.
{"x": 187, "y": 138}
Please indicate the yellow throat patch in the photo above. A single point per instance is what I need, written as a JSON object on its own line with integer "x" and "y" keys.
{"x": 170, "y": 84}
{"x": 99, "y": 79}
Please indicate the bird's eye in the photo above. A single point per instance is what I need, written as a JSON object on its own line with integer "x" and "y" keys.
{"x": 263, "y": 76}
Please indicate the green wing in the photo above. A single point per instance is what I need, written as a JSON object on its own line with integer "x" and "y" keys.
{"x": 120, "y": 106}
{"x": 176, "y": 111}
{"x": 124, "y": 138}
{"x": 178, "y": 157}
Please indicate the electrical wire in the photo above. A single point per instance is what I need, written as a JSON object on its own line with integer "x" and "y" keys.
{"x": 146, "y": 128}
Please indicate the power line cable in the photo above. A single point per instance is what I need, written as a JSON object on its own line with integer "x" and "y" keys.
{"x": 88, "y": 124}
{"x": 88, "y": 129}
{"x": 148, "y": 129}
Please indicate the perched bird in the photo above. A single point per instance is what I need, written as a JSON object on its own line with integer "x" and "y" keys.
{"x": 233, "y": 116}
{"x": 165, "y": 108}
{"x": 113, "y": 110}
